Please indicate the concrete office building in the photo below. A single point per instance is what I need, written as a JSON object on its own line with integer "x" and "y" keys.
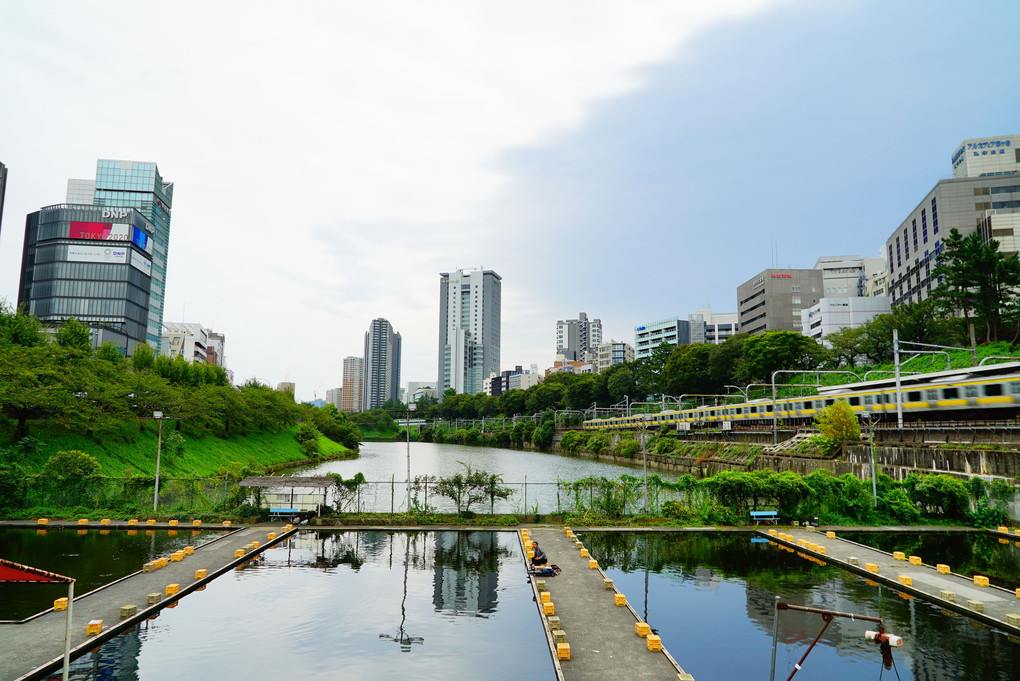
{"x": 352, "y": 384}
{"x": 382, "y": 365}
{"x": 418, "y": 389}
{"x": 833, "y": 314}
{"x": 138, "y": 185}
{"x": 772, "y": 300}
{"x": 613, "y": 352}
{"x": 216, "y": 351}
{"x": 287, "y": 387}
{"x": 576, "y": 339}
{"x": 187, "y": 340}
{"x": 333, "y": 396}
{"x": 3, "y": 191}
{"x": 714, "y": 328}
{"x": 984, "y": 194}
{"x": 672, "y": 331}
{"x": 847, "y": 275}
{"x": 469, "y": 329}
{"x": 92, "y": 263}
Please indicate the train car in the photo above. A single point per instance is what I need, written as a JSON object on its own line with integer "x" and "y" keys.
{"x": 972, "y": 393}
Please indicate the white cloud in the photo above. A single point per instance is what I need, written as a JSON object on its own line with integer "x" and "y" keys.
{"x": 329, "y": 158}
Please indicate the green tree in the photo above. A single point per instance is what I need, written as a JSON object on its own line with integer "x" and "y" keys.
{"x": 18, "y": 327}
{"x": 543, "y": 435}
{"x": 308, "y": 437}
{"x": 74, "y": 335}
{"x": 108, "y": 352}
{"x": 776, "y": 350}
{"x": 838, "y": 425}
{"x": 845, "y": 346}
{"x": 470, "y": 487}
{"x": 143, "y": 357}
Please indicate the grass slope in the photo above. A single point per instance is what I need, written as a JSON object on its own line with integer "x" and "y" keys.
{"x": 202, "y": 456}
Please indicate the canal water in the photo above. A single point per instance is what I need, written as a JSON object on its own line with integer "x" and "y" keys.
{"x": 352, "y": 605}
{"x": 533, "y": 476}
{"x": 93, "y": 557}
{"x": 711, "y": 598}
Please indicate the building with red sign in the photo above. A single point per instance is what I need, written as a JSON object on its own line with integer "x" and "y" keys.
{"x": 772, "y": 300}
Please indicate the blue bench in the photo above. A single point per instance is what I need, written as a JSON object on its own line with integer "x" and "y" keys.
{"x": 283, "y": 512}
{"x": 764, "y": 517}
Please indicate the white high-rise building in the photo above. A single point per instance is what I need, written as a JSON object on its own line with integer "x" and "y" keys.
{"x": 353, "y": 380}
{"x": 469, "y": 329}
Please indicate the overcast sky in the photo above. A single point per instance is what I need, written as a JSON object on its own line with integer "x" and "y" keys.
{"x": 633, "y": 160}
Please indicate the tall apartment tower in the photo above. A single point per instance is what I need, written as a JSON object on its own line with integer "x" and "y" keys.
{"x": 352, "y": 385}
{"x": 382, "y": 365}
{"x": 578, "y": 339}
{"x": 3, "y": 190}
{"x": 138, "y": 185}
{"x": 469, "y": 329}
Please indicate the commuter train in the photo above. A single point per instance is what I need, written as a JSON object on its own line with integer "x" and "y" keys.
{"x": 972, "y": 393}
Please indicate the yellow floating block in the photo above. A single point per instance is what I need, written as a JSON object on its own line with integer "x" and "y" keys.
{"x": 570, "y": 533}
{"x": 83, "y": 521}
{"x": 980, "y": 580}
{"x": 773, "y": 533}
{"x": 946, "y": 595}
{"x": 976, "y": 606}
{"x": 554, "y": 622}
{"x": 548, "y": 608}
{"x": 1016, "y": 532}
{"x": 642, "y": 629}
{"x": 545, "y": 597}
{"x": 559, "y": 636}
{"x": 188, "y": 550}
{"x": 1018, "y": 593}
{"x": 942, "y": 569}
{"x": 822, "y": 550}
{"x": 1013, "y": 618}
{"x": 104, "y": 521}
{"x": 1004, "y": 529}
{"x": 852, "y": 560}
{"x": 871, "y": 567}
{"x": 905, "y": 580}
{"x": 529, "y": 554}
{"x": 174, "y": 523}
{"x": 593, "y": 564}
{"x": 43, "y": 521}
{"x": 150, "y": 521}
{"x": 153, "y": 598}
{"x": 899, "y": 555}
{"x": 566, "y": 531}
{"x": 620, "y": 599}
{"x": 914, "y": 560}
{"x": 584, "y": 553}
{"x": 288, "y": 527}
{"x": 528, "y": 545}
{"x": 653, "y": 642}
{"x": 271, "y": 536}
{"x": 201, "y": 574}
{"x": 149, "y": 567}
{"x": 562, "y": 651}
{"x": 196, "y": 523}
{"x": 255, "y": 544}
{"x": 830, "y": 534}
{"x": 177, "y": 556}
{"x": 133, "y": 522}
{"x": 540, "y": 584}
{"x": 227, "y": 523}
{"x": 60, "y": 604}
{"x": 171, "y": 589}
{"x": 128, "y": 610}
{"x": 238, "y": 553}
{"x": 607, "y": 584}
{"x": 94, "y": 627}
{"x": 164, "y": 561}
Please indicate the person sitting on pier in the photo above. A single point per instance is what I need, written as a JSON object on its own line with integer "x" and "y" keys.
{"x": 540, "y": 557}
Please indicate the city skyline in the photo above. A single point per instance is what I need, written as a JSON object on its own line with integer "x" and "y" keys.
{"x": 639, "y": 164}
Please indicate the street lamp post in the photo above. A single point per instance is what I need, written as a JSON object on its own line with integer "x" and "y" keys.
{"x": 407, "y": 427}
{"x": 158, "y": 415}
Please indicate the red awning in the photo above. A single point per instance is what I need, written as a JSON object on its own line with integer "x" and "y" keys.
{"x": 15, "y": 572}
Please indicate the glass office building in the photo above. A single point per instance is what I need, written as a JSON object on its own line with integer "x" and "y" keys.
{"x": 92, "y": 263}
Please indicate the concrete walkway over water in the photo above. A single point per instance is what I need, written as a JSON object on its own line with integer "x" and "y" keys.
{"x": 34, "y": 647}
{"x": 956, "y": 593}
{"x": 601, "y": 635}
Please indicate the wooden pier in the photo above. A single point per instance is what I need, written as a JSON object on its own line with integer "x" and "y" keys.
{"x": 33, "y": 648}
{"x": 601, "y": 634}
{"x": 913, "y": 576}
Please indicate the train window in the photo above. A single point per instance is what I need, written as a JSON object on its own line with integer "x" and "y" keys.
{"x": 829, "y": 403}
{"x": 950, "y": 393}
{"x": 754, "y": 410}
{"x": 993, "y": 390}
{"x": 970, "y": 390}
{"x": 1014, "y": 387}
{"x": 867, "y": 399}
{"x": 931, "y": 395}
{"x": 914, "y": 396}
{"x": 855, "y": 401}
{"x": 807, "y": 404}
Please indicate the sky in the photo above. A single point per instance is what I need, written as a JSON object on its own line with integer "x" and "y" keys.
{"x": 632, "y": 160}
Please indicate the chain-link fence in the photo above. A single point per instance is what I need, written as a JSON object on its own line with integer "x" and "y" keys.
{"x": 176, "y": 495}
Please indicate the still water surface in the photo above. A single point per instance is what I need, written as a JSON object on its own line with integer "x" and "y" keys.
{"x": 333, "y": 605}
{"x": 383, "y": 462}
{"x": 711, "y": 598}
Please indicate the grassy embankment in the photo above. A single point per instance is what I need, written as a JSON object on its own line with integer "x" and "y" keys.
{"x": 202, "y": 457}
